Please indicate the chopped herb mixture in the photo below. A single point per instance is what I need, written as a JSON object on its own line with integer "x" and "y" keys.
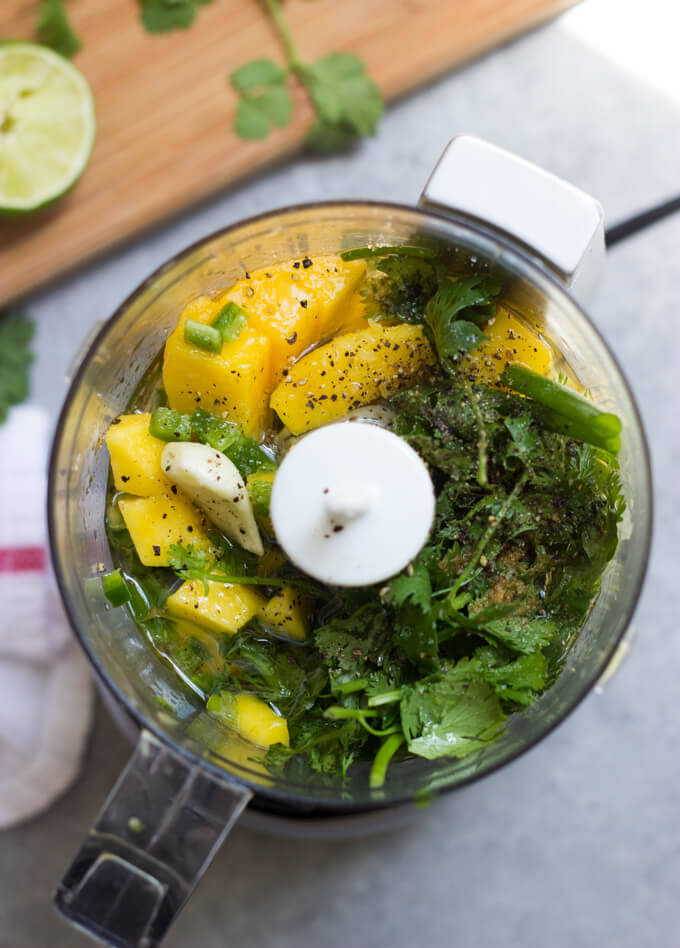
{"x": 434, "y": 661}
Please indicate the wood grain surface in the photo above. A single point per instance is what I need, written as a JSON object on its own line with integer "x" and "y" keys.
{"x": 165, "y": 109}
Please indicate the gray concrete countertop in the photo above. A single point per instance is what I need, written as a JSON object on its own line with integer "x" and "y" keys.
{"x": 576, "y": 843}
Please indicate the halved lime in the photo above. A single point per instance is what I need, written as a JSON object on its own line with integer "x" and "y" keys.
{"x": 47, "y": 126}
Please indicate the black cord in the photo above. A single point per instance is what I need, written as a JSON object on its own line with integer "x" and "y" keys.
{"x": 618, "y": 232}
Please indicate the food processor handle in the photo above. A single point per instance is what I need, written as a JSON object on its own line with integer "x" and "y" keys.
{"x": 561, "y": 226}
{"x": 151, "y": 843}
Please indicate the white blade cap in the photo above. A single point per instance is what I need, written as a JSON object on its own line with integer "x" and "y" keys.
{"x": 352, "y": 504}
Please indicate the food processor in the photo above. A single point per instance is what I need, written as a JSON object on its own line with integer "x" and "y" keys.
{"x": 186, "y": 784}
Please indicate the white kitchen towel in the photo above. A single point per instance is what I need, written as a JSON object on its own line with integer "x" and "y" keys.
{"x": 46, "y": 695}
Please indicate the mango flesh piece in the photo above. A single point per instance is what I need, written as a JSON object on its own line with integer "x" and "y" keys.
{"x": 510, "y": 339}
{"x": 254, "y": 720}
{"x": 286, "y": 612}
{"x": 350, "y": 371}
{"x": 136, "y": 457}
{"x": 353, "y": 316}
{"x": 297, "y": 303}
{"x": 234, "y": 383}
{"x": 155, "y": 523}
{"x": 224, "y": 609}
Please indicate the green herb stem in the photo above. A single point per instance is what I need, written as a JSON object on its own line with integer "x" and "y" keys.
{"x": 482, "y": 440}
{"x": 387, "y": 697}
{"x": 486, "y": 537}
{"x": 337, "y": 713}
{"x": 281, "y": 24}
{"x": 382, "y": 760}
{"x": 350, "y": 687}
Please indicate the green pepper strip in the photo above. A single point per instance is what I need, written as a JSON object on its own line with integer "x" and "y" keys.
{"x": 115, "y": 588}
{"x": 590, "y": 420}
{"x": 202, "y": 336}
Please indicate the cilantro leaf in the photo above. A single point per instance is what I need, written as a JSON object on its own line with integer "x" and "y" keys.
{"x": 521, "y": 634}
{"x": 160, "y": 16}
{"x": 451, "y": 713}
{"x": 400, "y": 288}
{"x": 55, "y": 30}
{"x": 325, "y": 137}
{"x": 413, "y": 586}
{"x": 259, "y": 72}
{"x": 16, "y": 333}
{"x": 256, "y": 115}
{"x": 346, "y": 100}
{"x": 347, "y": 103}
{"x": 525, "y": 438}
{"x": 454, "y": 311}
{"x": 357, "y": 644}
{"x": 518, "y": 682}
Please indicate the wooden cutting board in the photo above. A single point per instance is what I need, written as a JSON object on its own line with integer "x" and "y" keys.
{"x": 165, "y": 109}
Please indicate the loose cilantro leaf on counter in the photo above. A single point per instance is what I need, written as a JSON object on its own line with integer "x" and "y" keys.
{"x": 55, "y": 30}
{"x": 347, "y": 103}
{"x": 257, "y": 114}
{"x": 16, "y": 332}
{"x": 160, "y": 16}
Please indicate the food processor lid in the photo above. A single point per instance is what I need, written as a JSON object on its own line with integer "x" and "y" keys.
{"x": 352, "y": 504}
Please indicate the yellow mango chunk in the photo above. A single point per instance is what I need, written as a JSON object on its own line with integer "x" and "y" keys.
{"x": 297, "y": 303}
{"x": 136, "y": 456}
{"x": 286, "y": 612}
{"x": 254, "y": 720}
{"x": 224, "y": 609}
{"x": 510, "y": 340}
{"x": 155, "y": 523}
{"x": 350, "y": 371}
{"x": 353, "y": 316}
{"x": 239, "y": 754}
{"x": 233, "y": 383}
{"x": 230, "y": 749}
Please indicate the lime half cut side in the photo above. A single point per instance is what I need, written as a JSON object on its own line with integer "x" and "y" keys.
{"x": 47, "y": 126}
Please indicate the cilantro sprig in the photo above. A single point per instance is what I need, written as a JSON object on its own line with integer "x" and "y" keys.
{"x": 192, "y": 563}
{"x": 348, "y": 104}
{"x": 16, "y": 332}
{"x": 55, "y": 29}
{"x": 160, "y": 16}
